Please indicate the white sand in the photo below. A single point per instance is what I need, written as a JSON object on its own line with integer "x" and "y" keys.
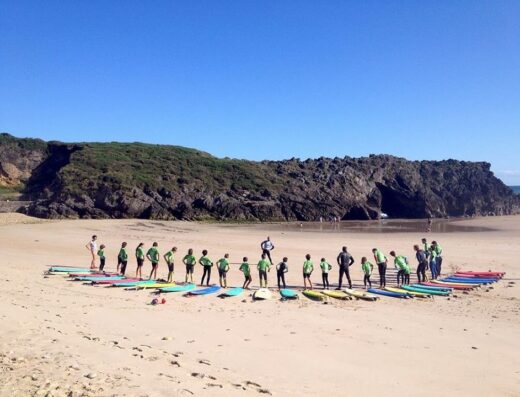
{"x": 55, "y": 332}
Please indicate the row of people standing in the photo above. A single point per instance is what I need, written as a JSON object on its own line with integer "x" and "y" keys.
{"x": 429, "y": 256}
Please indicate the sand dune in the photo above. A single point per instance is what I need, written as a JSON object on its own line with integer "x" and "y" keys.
{"x": 63, "y": 338}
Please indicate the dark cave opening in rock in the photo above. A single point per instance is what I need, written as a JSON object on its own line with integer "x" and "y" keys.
{"x": 400, "y": 204}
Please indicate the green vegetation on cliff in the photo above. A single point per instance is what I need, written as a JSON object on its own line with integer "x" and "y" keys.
{"x": 127, "y": 165}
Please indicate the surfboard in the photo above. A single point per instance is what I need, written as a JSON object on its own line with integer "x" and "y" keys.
{"x": 378, "y": 291}
{"x": 233, "y": 292}
{"x": 336, "y": 294}
{"x": 156, "y": 285}
{"x": 205, "y": 291}
{"x": 426, "y": 291}
{"x": 432, "y": 287}
{"x": 132, "y": 284}
{"x": 455, "y": 285}
{"x": 98, "y": 278}
{"x": 114, "y": 280}
{"x": 91, "y": 274}
{"x": 178, "y": 288}
{"x": 262, "y": 294}
{"x": 412, "y": 293}
{"x": 61, "y": 269}
{"x": 314, "y": 295}
{"x": 483, "y": 274}
{"x": 288, "y": 293}
{"x": 469, "y": 281}
{"x": 361, "y": 294}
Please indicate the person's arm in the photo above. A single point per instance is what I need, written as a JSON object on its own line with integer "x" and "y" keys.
{"x": 165, "y": 258}
{"x": 88, "y": 247}
{"x": 337, "y": 260}
{"x": 148, "y": 256}
{"x": 352, "y": 260}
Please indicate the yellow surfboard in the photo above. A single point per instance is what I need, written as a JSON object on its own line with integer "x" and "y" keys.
{"x": 336, "y": 294}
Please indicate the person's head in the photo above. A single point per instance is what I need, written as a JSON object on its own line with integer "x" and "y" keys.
{"x": 344, "y": 249}
{"x": 434, "y": 242}
{"x": 174, "y": 249}
{"x": 392, "y": 253}
{"x": 308, "y": 257}
{"x": 268, "y": 238}
{"x": 140, "y": 245}
{"x": 416, "y": 247}
{"x": 244, "y": 259}
{"x": 364, "y": 259}
{"x": 264, "y": 256}
{"x": 204, "y": 252}
{"x": 226, "y": 256}
{"x": 190, "y": 251}
{"x": 323, "y": 259}
{"x": 285, "y": 259}
{"x": 374, "y": 250}
{"x": 102, "y": 246}
{"x": 424, "y": 241}
{"x": 155, "y": 244}
{"x": 94, "y": 237}
{"x": 123, "y": 244}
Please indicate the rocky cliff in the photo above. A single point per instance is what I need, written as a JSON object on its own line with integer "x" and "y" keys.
{"x": 135, "y": 180}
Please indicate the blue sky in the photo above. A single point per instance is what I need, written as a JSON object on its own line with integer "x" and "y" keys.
{"x": 269, "y": 79}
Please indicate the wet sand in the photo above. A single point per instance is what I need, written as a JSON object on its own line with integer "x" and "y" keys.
{"x": 61, "y": 338}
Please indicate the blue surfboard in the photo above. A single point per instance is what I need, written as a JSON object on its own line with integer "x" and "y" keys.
{"x": 205, "y": 291}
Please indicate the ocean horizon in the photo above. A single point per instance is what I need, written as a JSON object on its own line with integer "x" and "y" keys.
{"x": 516, "y": 189}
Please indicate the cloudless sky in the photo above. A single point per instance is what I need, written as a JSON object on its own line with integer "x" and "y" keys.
{"x": 269, "y": 79}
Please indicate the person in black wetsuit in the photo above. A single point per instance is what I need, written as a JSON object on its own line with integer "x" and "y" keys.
{"x": 422, "y": 263}
{"x": 345, "y": 260}
{"x": 281, "y": 269}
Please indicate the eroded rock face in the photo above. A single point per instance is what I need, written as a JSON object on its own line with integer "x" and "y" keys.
{"x": 64, "y": 183}
{"x": 19, "y": 159}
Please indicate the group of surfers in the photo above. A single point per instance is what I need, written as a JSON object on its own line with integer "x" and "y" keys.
{"x": 429, "y": 256}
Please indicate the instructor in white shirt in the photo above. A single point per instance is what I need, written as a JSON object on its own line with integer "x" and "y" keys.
{"x": 267, "y": 246}
{"x": 92, "y": 247}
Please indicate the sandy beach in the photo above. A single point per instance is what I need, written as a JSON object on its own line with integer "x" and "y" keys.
{"x": 63, "y": 338}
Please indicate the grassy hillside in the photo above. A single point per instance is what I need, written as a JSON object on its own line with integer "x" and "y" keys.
{"x": 127, "y": 165}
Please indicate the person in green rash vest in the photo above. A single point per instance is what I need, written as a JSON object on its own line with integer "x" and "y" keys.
{"x": 139, "y": 255}
{"x": 189, "y": 260}
{"x": 426, "y": 247}
{"x": 206, "y": 265}
{"x": 382, "y": 263}
{"x": 433, "y": 262}
{"x": 168, "y": 257}
{"x": 101, "y": 254}
{"x": 122, "y": 259}
{"x": 325, "y": 269}
{"x": 438, "y": 259}
{"x": 263, "y": 266}
{"x": 153, "y": 256}
{"x": 308, "y": 268}
{"x": 403, "y": 270}
{"x": 246, "y": 269}
{"x": 367, "y": 268}
{"x": 223, "y": 267}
